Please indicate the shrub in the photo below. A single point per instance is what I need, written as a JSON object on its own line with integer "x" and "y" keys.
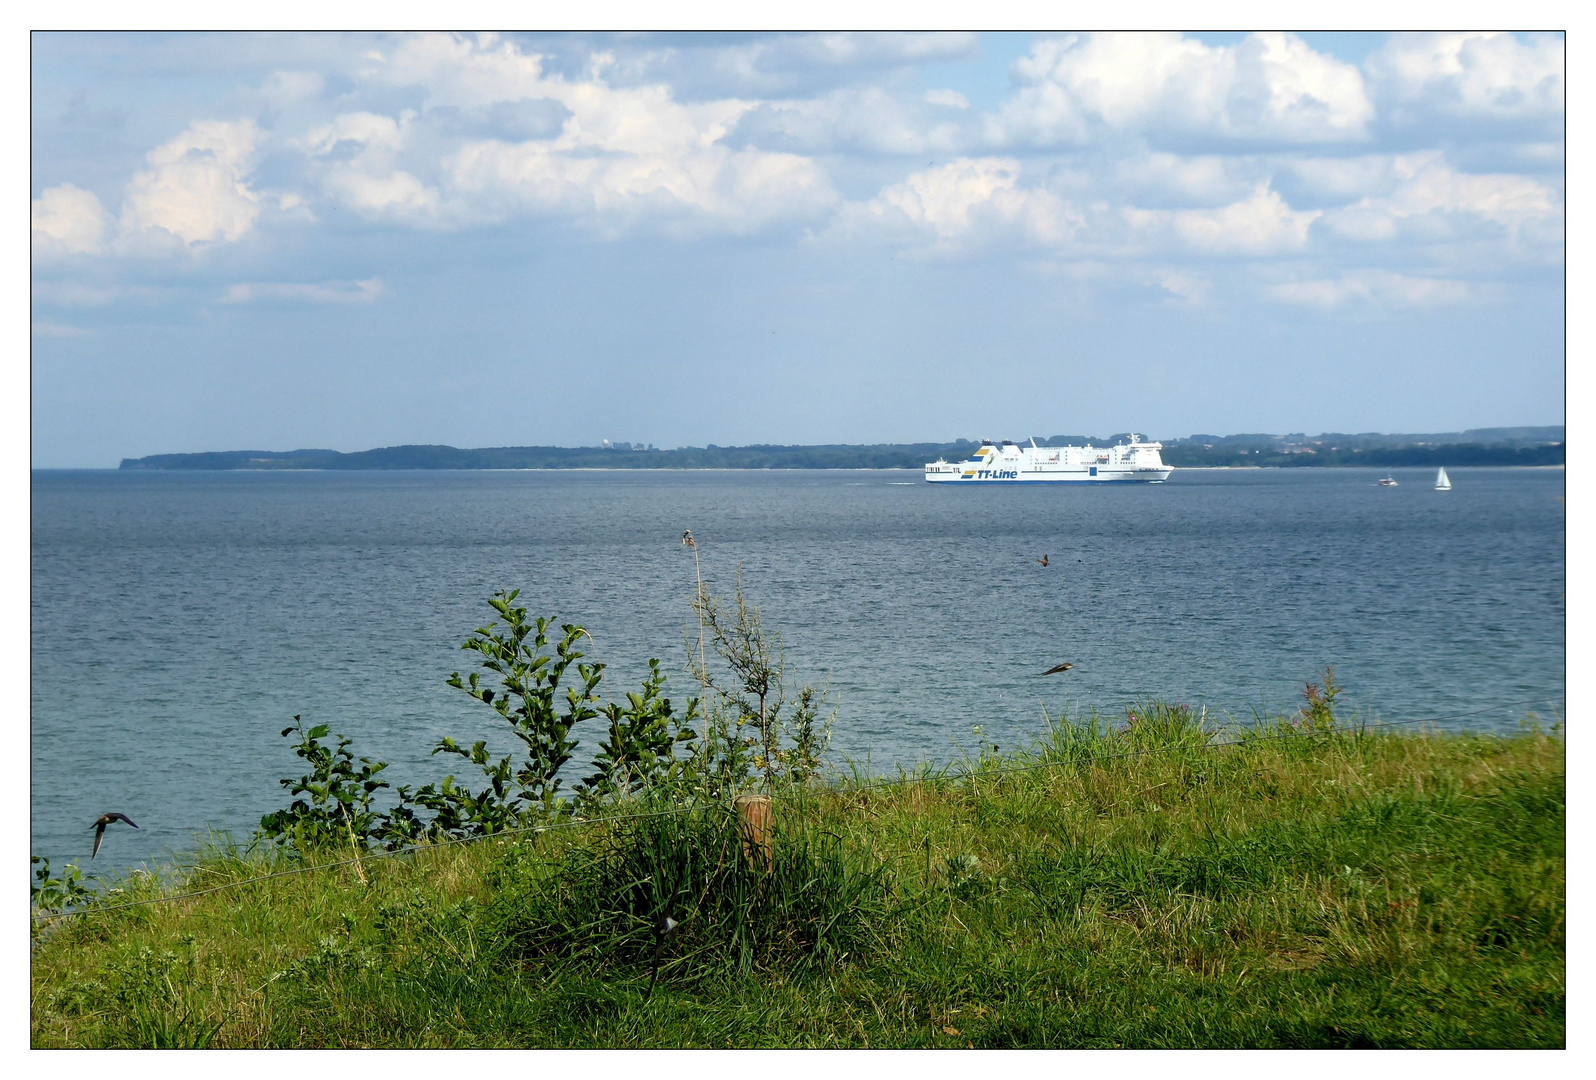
{"x": 541, "y": 708}
{"x": 340, "y": 808}
{"x": 751, "y": 723}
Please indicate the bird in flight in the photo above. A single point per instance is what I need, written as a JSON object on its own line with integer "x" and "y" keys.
{"x": 1043, "y": 560}
{"x": 1059, "y": 668}
{"x": 99, "y": 828}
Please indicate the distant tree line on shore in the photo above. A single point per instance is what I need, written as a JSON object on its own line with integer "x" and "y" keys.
{"x": 1454, "y": 454}
{"x": 1487, "y": 446}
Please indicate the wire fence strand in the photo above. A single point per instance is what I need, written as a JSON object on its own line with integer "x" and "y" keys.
{"x": 373, "y": 856}
{"x": 1086, "y": 759}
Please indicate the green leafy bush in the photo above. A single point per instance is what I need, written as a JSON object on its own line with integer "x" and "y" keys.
{"x": 527, "y": 681}
{"x": 49, "y": 893}
{"x": 528, "y": 697}
{"x": 340, "y": 787}
{"x": 640, "y": 747}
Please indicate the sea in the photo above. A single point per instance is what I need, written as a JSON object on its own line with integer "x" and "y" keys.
{"x": 181, "y": 620}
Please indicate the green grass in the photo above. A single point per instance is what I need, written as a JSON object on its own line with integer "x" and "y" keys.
{"x": 1328, "y": 890}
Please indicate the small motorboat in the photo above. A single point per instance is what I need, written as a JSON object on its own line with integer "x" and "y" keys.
{"x": 1388, "y": 481}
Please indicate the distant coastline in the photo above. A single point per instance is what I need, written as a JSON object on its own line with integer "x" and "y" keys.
{"x": 1523, "y": 446}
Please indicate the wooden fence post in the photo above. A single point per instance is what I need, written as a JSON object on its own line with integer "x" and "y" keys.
{"x": 754, "y": 824}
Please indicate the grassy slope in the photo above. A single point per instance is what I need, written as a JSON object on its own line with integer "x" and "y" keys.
{"x": 1390, "y": 890}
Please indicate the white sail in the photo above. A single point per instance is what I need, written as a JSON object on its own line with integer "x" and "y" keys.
{"x": 1441, "y": 482}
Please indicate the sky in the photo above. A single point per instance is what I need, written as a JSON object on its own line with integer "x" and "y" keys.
{"x": 281, "y": 241}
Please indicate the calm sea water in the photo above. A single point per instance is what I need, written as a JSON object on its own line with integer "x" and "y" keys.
{"x": 179, "y": 621}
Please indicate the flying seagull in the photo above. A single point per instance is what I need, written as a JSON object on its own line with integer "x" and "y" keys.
{"x": 1059, "y": 668}
{"x": 1043, "y": 560}
{"x": 99, "y": 828}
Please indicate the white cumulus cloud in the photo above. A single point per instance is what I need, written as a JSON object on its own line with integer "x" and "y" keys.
{"x": 359, "y": 159}
{"x": 196, "y": 189}
{"x": 1261, "y": 224}
{"x": 967, "y": 203}
{"x": 1471, "y": 76}
{"x": 1268, "y": 87}
{"x": 622, "y": 157}
{"x": 1151, "y": 154}
{"x": 66, "y": 220}
{"x": 460, "y": 71}
{"x": 727, "y": 189}
{"x": 1431, "y": 200}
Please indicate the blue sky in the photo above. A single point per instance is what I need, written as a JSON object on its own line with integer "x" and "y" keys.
{"x": 282, "y": 241}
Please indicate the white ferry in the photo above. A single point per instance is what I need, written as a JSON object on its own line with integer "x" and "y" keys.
{"x": 1010, "y": 463}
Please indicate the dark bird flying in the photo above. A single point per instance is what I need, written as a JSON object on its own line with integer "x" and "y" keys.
{"x": 99, "y": 828}
{"x": 1043, "y": 560}
{"x": 1059, "y": 668}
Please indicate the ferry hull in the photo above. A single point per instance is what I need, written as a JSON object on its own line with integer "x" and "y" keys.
{"x": 1133, "y": 462}
{"x": 1073, "y": 476}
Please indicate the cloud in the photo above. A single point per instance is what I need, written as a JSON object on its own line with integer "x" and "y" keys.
{"x": 66, "y": 220}
{"x": 358, "y": 160}
{"x": 361, "y": 132}
{"x": 330, "y": 292}
{"x": 540, "y": 118}
{"x": 783, "y": 66}
{"x": 1371, "y": 286}
{"x": 1185, "y": 180}
{"x": 456, "y": 70}
{"x": 196, "y": 190}
{"x": 1472, "y": 77}
{"x": 1270, "y": 87}
{"x": 720, "y": 188}
{"x": 619, "y": 157}
{"x": 1429, "y": 200}
{"x": 1261, "y": 224}
{"x": 873, "y": 49}
{"x": 1183, "y": 286}
{"x": 1335, "y": 181}
{"x": 867, "y": 119}
{"x": 1149, "y": 152}
{"x": 948, "y": 99}
{"x": 966, "y": 203}
{"x": 286, "y": 88}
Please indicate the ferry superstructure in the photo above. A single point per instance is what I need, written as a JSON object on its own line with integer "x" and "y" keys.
{"x": 1009, "y": 463}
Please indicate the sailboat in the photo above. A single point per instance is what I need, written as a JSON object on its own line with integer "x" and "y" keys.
{"x": 1441, "y": 482}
